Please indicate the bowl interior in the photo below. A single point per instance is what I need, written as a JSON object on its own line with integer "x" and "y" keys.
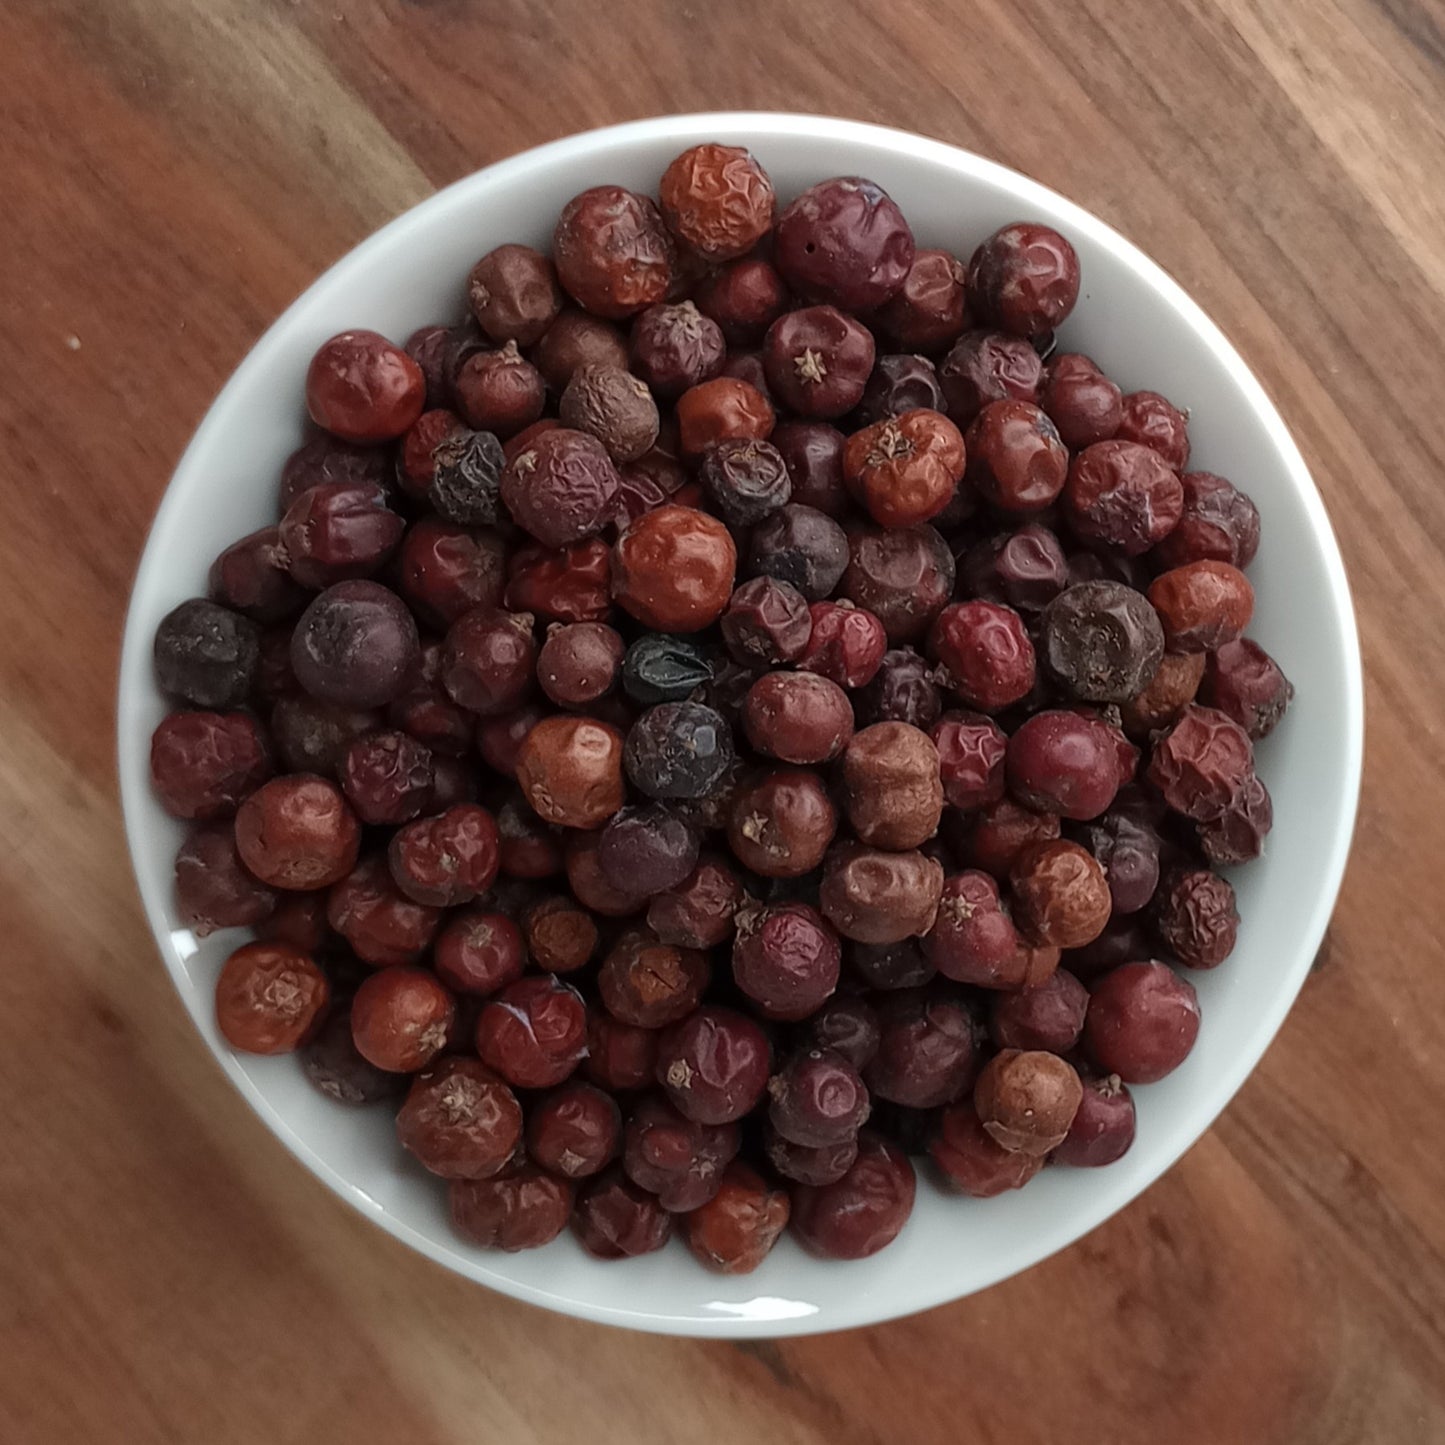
{"x": 1144, "y": 331}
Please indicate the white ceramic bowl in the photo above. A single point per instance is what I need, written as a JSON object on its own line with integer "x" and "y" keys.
{"x": 1145, "y": 332}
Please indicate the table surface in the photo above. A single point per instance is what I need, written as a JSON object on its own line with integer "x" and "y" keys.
{"x": 175, "y": 173}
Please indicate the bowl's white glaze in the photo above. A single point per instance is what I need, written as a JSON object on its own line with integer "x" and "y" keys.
{"x": 1145, "y": 331}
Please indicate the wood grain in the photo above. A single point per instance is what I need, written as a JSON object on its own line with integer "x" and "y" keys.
{"x": 174, "y": 174}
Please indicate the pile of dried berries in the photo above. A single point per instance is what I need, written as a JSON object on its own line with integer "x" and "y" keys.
{"x": 734, "y": 712}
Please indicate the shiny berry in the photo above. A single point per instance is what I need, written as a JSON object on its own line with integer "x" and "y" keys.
{"x": 1024, "y": 279}
{"x": 361, "y": 388}
{"x": 844, "y": 241}
{"x": 986, "y": 652}
{"x": 786, "y": 959}
{"x": 713, "y": 1065}
{"x": 534, "y": 1032}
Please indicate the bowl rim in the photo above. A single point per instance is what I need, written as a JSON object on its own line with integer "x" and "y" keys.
{"x": 756, "y": 128}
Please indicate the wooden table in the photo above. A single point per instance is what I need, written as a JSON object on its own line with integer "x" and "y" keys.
{"x": 174, "y": 173}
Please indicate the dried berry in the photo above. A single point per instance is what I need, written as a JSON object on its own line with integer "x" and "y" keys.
{"x": 489, "y": 660}
{"x": 297, "y": 832}
{"x": 766, "y": 622}
{"x": 1081, "y": 401}
{"x": 333, "y": 1066}
{"x": 520, "y": 1208}
{"x": 574, "y": 1131}
{"x": 1026, "y": 1100}
{"x": 384, "y": 927}
{"x": 986, "y": 653}
{"x": 797, "y": 717}
{"x": 1063, "y": 762}
{"x": 447, "y": 859}
{"x": 466, "y": 466}
{"x": 972, "y": 939}
{"x": 1102, "y": 641}
{"x": 570, "y": 771}
{"x": 387, "y": 777}
{"x": 891, "y": 786}
{"x": 1049, "y": 1016}
{"x": 250, "y": 578}
{"x": 499, "y": 392}
{"x": 903, "y": 575}
{"x": 460, "y": 1120}
{"x": 206, "y": 654}
{"x": 269, "y": 998}
{"x": 1219, "y": 524}
{"x": 786, "y": 959}
{"x": 844, "y": 241}
{"x": 1122, "y": 495}
{"x": 718, "y": 200}
{"x": 930, "y": 310}
{"x": 661, "y": 668}
{"x": 650, "y": 984}
{"x": 614, "y": 406}
{"x": 1196, "y": 917}
{"x": 813, "y": 451}
{"x": 986, "y": 366}
{"x": 736, "y": 1229}
{"x": 719, "y": 410}
{"x": 1142, "y": 1022}
{"x": 846, "y": 644}
{"x": 713, "y": 1065}
{"x": 1061, "y": 898}
{"x": 1127, "y": 848}
{"x": 615, "y": 1219}
{"x": 673, "y": 569}
{"x": 620, "y": 1057}
{"x": 561, "y": 488}
{"x": 1245, "y": 683}
{"x": 361, "y": 388}
{"x": 905, "y": 470}
{"x": 876, "y": 897}
{"x": 818, "y": 361}
{"x": 972, "y": 1161}
{"x": 401, "y": 1019}
{"x": 902, "y": 690}
{"x": 817, "y": 1098}
{"x": 1202, "y": 605}
{"x": 1152, "y": 421}
{"x": 443, "y": 570}
{"x": 864, "y": 1211}
{"x": 1237, "y": 835}
{"x": 213, "y": 889}
{"x": 675, "y": 347}
{"x": 1103, "y": 1127}
{"x": 579, "y": 663}
{"x": 649, "y": 849}
{"x": 781, "y": 825}
{"x": 1024, "y": 279}
{"x": 574, "y": 339}
{"x": 677, "y": 1159}
{"x": 801, "y": 546}
{"x": 1202, "y": 764}
{"x": 478, "y": 952}
{"x": 1016, "y": 460}
{"x": 612, "y": 253}
{"x": 971, "y": 751}
{"x": 534, "y": 1032}
{"x": 699, "y": 912}
{"x": 514, "y": 295}
{"x": 1164, "y": 697}
{"x": 204, "y": 763}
